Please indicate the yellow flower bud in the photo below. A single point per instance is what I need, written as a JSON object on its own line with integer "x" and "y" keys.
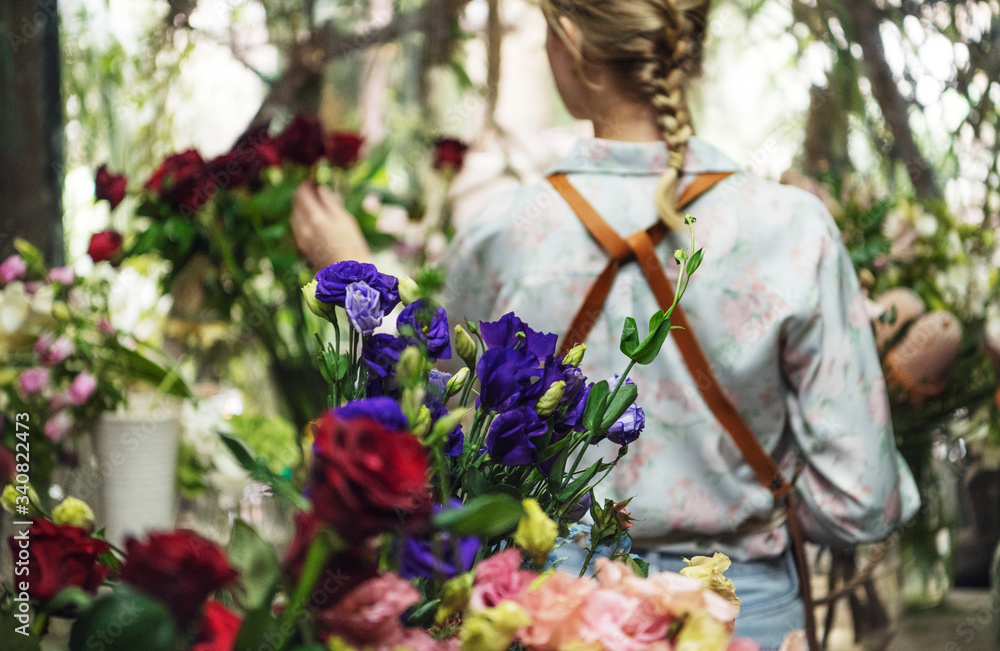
{"x": 550, "y": 399}
{"x": 60, "y": 310}
{"x": 575, "y": 355}
{"x": 457, "y": 382}
{"x": 455, "y": 595}
{"x": 422, "y": 424}
{"x": 409, "y": 291}
{"x": 709, "y": 571}
{"x": 465, "y": 345}
{"x": 75, "y": 512}
{"x": 701, "y": 632}
{"x": 493, "y": 629}
{"x": 316, "y": 306}
{"x": 15, "y": 501}
{"x": 536, "y": 532}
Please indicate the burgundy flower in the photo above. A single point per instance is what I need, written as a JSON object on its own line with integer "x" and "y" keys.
{"x": 449, "y": 153}
{"x": 344, "y": 149}
{"x": 302, "y": 141}
{"x": 252, "y": 153}
{"x": 105, "y": 245}
{"x": 183, "y": 180}
{"x": 109, "y": 186}
{"x": 58, "y": 556}
{"x": 367, "y": 478}
{"x": 219, "y": 629}
{"x": 179, "y": 568}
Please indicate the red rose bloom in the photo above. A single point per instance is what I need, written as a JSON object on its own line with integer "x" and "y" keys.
{"x": 180, "y": 568}
{"x": 253, "y": 152}
{"x": 7, "y": 465}
{"x": 449, "y": 154}
{"x": 59, "y": 556}
{"x": 302, "y": 141}
{"x": 183, "y": 180}
{"x": 105, "y": 245}
{"x": 344, "y": 149}
{"x": 218, "y": 629}
{"x": 109, "y": 186}
{"x": 367, "y": 478}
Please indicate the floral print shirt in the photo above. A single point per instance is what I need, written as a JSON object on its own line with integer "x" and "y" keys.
{"x": 775, "y": 306}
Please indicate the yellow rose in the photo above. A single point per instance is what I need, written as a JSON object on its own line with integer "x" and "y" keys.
{"x": 536, "y": 532}
{"x": 702, "y": 633}
{"x": 709, "y": 572}
{"x": 493, "y": 629}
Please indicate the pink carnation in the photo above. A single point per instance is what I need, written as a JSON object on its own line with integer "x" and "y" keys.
{"x": 57, "y": 426}
{"x": 34, "y": 380}
{"x": 82, "y": 388}
{"x": 498, "y": 578}
{"x": 12, "y": 269}
{"x": 51, "y": 351}
{"x": 63, "y": 275}
{"x": 369, "y": 614}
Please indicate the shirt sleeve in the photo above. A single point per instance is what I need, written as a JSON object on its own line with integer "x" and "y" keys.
{"x": 854, "y": 483}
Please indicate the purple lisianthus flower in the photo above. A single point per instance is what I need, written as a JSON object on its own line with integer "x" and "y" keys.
{"x": 504, "y": 332}
{"x": 332, "y": 282}
{"x": 512, "y": 436}
{"x": 504, "y": 374}
{"x": 580, "y": 509}
{"x": 437, "y": 384}
{"x": 380, "y": 354}
{"x": 362, "y": 304}
{"x": 13, "y": 268}
{"x": 384, "y": 411}
{"x": 454, "y": 555}
{"x": 430, "y": 325}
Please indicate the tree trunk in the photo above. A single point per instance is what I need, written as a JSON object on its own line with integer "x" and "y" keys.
{"x": 30, "y": 127}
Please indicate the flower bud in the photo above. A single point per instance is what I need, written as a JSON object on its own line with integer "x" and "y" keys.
{"x": 550, "y": 399}
{"x": 316, "y": 306}
{"x": 13, "y": 499}
{"x": 455, "y": 595}
{"x": 457, "y": 382}
{"x": 680, "y": 256}
{"x": 536, "y": 532}
{"x": 575, "y": 355}
{"x": 422, "y": 424}
{"x": 410, "y": 369}
{"x": 60, "y": 310}
{"x": 465, "y": 346}
{"x": 75, "y": 512}
{"x": 409, "y": 291}
{"x": 410, "y": 402}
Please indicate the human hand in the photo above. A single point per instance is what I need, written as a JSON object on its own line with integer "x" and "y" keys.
{"x": 323, "y": 230}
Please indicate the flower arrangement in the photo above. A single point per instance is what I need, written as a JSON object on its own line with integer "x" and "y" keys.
{"x": 67, "y": 353}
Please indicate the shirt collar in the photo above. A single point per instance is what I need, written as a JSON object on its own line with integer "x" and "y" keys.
{"x": 598, "y": 156}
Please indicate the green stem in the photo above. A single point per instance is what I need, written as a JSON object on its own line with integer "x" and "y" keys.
{"x": 320, "y": 550}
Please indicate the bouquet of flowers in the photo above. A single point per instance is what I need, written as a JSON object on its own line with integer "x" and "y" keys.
{"x": 64, "y": 355}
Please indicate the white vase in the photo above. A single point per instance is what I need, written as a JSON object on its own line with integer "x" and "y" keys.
{"x": 136, "y": 451}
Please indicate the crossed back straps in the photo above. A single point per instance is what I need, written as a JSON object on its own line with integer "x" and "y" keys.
{"x": 641, "y": 247}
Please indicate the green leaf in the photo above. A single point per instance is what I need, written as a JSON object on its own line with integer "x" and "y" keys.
{"x": 70, "y": 601}
{"x": 371, "y": 165}
{"x": 488, "y": 515}
{"x": 270, "y": 204}
{"x": 630, "y": 337}
{"x": 558, "y": 469}
{"x": 124, "y": 620}
{"x": 579, "y": 483}
{"x": 593, "y": 411}
{"x": 474, "y": 482}
{"x": 259, "y": 630}
{"x": 244, "y": 455}
{"x": 637, "y": 565}
{"x": 11, "y": 639}
{"x": 180, "y": 230}
{"x": 623, "y": 399}
{"x": 695, "y": 261}
{"x": 650, "y": 346}
{"x": 136, "y": 366}
{"x": 256, "y": 562}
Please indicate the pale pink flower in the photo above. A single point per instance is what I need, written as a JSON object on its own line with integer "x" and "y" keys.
{"x": 743, "y": 644}
{"x": 62, "y": 275}
{"x": 618, "y": 621}
{"x": 12, "y": 269}
{"x": 34, "y": 380}
{"x": 105, "y": 328}
{"x": 555, "y": 608}
{"x": 498, "y": 578}
{"x": 51, "y": 351}
{"x": 417, "y": 639}
{"x": 369, "y": 614}
{"x": 33, "y": 286}
{"x": 60, "y": 400}
{"x": 82, "y": 388}
{"x": 57, "y": 426}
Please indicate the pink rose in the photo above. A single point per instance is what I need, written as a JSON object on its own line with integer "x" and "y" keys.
{"x": 63, "y": 275}
{"x": 82, "y": 388}
{"x": 12, "y": 269}
{"x": 369, "y": 614}
{"x": 34, "y": 380}
{"x": 498, "y": 578}
{"x": 53, "y": 352}
{"x": 57, "y": 426}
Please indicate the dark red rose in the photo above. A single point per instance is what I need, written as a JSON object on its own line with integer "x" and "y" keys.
{"x": 183, "y": 180}
{"x": 449, "y": 154}
{"x": 367, "y": 478}
{"x": 109, "y": 186}
{"x": 58, "y": 556}
{"x": 105, "y": 245}
{"x": 180, "y": 568}
{"x": 7, "y": 465}
{"x": 219, "y": 629}
{"x": 252, "y": 153}
{"x": 302, "y": 141}
{"x": 344, "y": 149}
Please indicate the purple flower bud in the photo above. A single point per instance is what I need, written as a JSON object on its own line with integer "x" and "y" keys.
{"x": 627, "y": 428}
{"x": 362, "y": 304}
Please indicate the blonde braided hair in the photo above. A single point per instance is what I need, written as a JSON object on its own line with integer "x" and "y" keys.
{"x": 656, "y": 47}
